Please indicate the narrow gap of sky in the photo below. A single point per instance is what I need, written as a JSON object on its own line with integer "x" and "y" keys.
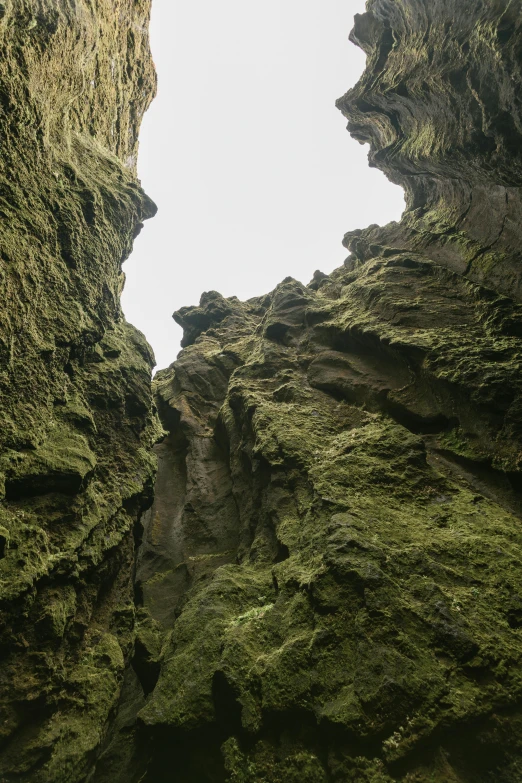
{"x": 246, "y": 156}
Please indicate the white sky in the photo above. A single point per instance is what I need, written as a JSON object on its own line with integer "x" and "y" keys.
{"x": 246, "y": 156}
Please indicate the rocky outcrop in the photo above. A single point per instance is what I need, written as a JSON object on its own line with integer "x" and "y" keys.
{"x": 439, "y": 106}
{"x": 328, "y": 583}
{"x": 329, "y": 587}
{"x": 77, "y": 423}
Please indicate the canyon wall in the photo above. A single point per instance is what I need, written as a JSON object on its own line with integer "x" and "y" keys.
{"x": 327, "y": 585}
{"x": 330, "y": 580}
{"x": 77, "y": 423}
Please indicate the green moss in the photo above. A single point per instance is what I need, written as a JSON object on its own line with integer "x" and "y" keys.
{"x": 58, "y": 608}
{"x": 75, "y": 399}
{"x": 374, "y": 604}
{"x": 252, "y": 614}
{"x": 64, "y": 457}
{"x": 301, "y": 766}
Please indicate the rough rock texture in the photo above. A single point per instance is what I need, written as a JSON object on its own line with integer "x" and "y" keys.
{"x": 77, "y": 424}
{"x": 330, "y": 580}
{"x": 440, "y": 105}
{"x": 329, "y": 586}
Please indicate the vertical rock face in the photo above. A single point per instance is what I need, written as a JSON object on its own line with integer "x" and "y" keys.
{"x": 75, "y": 405}
{"x": 440, "y": 107}
{"x": 329, "y": 584}
{"x": 330, "y": 580}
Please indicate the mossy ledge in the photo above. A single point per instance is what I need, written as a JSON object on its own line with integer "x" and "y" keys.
{"x": 77, "y": 422}
{"x": 329, "y": 586}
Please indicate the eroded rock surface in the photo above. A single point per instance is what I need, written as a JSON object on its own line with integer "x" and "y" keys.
{"x": 439, "y": 105}
{"x": 330, "y": 584}
{"x": 75, "y": 404}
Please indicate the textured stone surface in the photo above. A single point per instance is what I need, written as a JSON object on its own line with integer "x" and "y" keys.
{"x": 439, "y": 104}
{"x": 75, "y": 406}
{"x": 330, "y": 581}
{"x": 335, "y": 542}
{"x": 329, "y": 585}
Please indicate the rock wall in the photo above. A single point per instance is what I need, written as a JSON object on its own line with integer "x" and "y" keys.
{"x": 77, "y": 424}
{"x": 330, "y": 586}
{"x": 439, "y": 105}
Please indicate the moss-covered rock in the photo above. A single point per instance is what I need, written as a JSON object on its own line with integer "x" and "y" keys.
{"x": 337, "y": 514}
{"x": 438, "y": 104}
{"x": 328, "y": 588}
{"x": 366, "y": 626}
{"x": 76, "y": 470}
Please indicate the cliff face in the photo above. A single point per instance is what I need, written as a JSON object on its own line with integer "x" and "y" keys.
{"x": 330, "y": 580}
{"x": 439, "y": 105}
{"x": 328, "y": 587}
{"x": 75, "y": 404}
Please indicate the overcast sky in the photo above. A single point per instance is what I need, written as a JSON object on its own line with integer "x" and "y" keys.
{"x": 246, "y": 156}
